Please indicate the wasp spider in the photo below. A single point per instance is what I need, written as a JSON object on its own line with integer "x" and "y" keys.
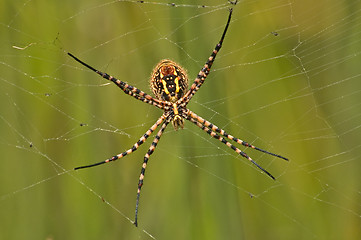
{"x": 169, "y": 83}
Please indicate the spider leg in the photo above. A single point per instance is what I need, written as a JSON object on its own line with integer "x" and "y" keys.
{"x": 161, "y": 105}
{"x": 146, "y": 158}
{"x": 216, "y": 136}
{"x": 128, "y": 89}
{"x": 135, "y": 146}
{"x": 223, "y": 133}
{"x": 207, "y": 67}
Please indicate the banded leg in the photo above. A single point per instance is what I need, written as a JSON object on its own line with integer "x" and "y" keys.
{"x": 162, "y": 105}
{"x": 132, "y": 91}
{"x": 135, "y": 146}
{"x": 223, "y": 133}
{"x": 207, "y": 67}
{"x": 237, "y": 150}
{"x": 146, "y": 158}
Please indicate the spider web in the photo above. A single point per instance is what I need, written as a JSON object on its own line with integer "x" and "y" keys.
{"x": 286, "y": 80}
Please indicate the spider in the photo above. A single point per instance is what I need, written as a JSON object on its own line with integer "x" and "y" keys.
{"x": 169, "y": 83}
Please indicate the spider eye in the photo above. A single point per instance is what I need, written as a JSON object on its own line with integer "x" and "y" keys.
{"x": 169, "y": 81}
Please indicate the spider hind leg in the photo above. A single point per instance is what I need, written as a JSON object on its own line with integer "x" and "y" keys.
{"x": 145, "y": 162}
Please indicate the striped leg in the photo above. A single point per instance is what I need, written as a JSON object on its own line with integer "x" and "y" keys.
{"x": 216, "y": 136}
{"x": 161, "y": 105}
{"x": 207, "y": 67}
{"x": 132, "y": 91}
{"x": 146, "y": 158}
{"x": 135, "y": 146}
{"x": 223, "y": 133}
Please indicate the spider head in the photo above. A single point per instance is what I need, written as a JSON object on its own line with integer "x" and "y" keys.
{"x": 169, "y": 81}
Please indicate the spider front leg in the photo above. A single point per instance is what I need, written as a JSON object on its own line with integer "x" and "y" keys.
{"x": 135, "y": 146}
{"x": 145, "y": 162}
{"x": 128, "y": 89}
{"x": 202, "y": 75}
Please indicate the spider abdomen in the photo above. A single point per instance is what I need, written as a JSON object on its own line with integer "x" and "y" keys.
{"x": 169, "y": 81}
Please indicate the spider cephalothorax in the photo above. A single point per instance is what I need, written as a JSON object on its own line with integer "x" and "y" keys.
{"x": 169, "y": 81}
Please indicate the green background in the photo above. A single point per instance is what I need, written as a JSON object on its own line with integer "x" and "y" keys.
{"x": 288, "y": 80}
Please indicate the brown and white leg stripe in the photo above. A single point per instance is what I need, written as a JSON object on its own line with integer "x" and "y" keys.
{"x": 229, "y": 136}
{"x": 144, "y": 166}
{"x": 207, "y": 66}
{"x": 221, "y": 139}
{"x": 135, "y": 146}
{"x": 133, "y": 91}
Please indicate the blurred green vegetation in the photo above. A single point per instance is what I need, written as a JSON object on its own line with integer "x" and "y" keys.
{"x": 295, "y": 92}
